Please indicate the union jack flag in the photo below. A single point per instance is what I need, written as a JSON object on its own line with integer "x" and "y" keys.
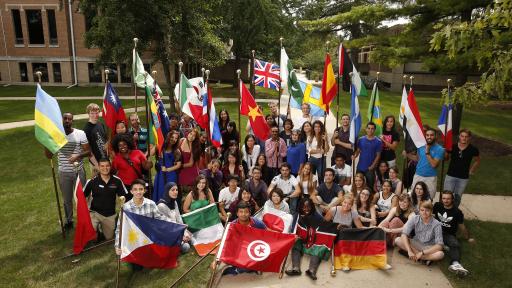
{"x": 266, "y": 74}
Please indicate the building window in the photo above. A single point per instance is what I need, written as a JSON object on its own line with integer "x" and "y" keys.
{"x": 112, "y": 74}
{"x": 18, "y": 31}
{"x": 126, "y": 75}
{"x": 23, "y": 72}
{"x": 42, "y": 67}
{"x": 57, "y": 76}
{"x": 52, "y": 27}
{"x": 94, "y": 74}
{"x": 35, "y": 26}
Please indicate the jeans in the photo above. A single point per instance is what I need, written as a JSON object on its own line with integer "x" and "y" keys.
{"x": 318, "y": 168}
{"x": 457, "y": 186}
{"x": 452, "y": 242}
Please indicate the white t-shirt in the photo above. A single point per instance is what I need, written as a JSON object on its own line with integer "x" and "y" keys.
{"x": 345, "y": 171}
{"x": 74, "y": 146}
{"x": 304, "y": 184}
{"x": 252, "y": 158}
{"x": 227, "y": 197}
{"x": 288, "y": 186}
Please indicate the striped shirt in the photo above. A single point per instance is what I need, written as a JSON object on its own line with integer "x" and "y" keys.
{"x": 428, "y": 234}
{"x": 75, "y": 139}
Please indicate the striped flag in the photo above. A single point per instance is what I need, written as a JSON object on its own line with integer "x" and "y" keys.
{"x": 329, "y": 85}
{"x": 316, "y": 236}
{"x": 345, "y": 68}
{"x": 48, "y": 122}
{"x": 445, "y": 122}
{"x": 374, "y": 107}
{"x": 206, "y": 228}
{"x": 156, "y": 138}
{"x": 411, "y": 121}
{"x": 355, "y": 116}
{"x": 360, "y": 249}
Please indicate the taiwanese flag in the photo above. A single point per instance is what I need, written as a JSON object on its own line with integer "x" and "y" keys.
{"x": 112, "y": 111}
{"x": 150, "y": 242}
{"x": 254, "y": 249}
{"x": 248, "y": 107}
{"x": 84, "y": 231}
{"x": 316, "y": 236}
{"x": 360, "y": 249}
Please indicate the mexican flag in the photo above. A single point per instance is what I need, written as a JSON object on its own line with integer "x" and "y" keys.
{"x": 190, "y": 95}
{"x": 206, "y": 228}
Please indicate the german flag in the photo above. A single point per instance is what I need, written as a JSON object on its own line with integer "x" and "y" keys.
{"x": 316, "y": 237}
{"x": 360, "y": 249}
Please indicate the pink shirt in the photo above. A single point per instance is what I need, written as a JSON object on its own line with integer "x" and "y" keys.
{"x": 271, "y": 152}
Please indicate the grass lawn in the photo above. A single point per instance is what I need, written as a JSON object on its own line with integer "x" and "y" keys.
{"x": 488, "y": 259}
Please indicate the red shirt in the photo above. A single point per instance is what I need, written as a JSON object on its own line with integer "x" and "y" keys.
{"x": 128, "y": 172}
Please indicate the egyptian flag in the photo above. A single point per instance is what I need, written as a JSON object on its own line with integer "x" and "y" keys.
{"x": 360, "y": 249}
{"x": 411, "y": 122}
{"x": 316, "y": 236}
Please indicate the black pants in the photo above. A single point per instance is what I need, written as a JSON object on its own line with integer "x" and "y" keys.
{"x": 314, "y": 261}
{"x": 452, "y": 242}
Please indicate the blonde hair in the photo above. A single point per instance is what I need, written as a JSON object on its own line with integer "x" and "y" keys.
{"x": 427, "y": 205}
{"x": 92, "y": 107}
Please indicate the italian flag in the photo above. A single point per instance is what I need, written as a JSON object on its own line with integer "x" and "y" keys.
{"x": 206, "y": 228}
{"x": 191, "y": 93}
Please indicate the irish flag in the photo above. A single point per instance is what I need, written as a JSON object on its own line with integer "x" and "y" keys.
{"x": 206, "y": 228}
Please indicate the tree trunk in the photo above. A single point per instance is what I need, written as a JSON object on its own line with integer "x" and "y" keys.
{"x": 167, "y": 74}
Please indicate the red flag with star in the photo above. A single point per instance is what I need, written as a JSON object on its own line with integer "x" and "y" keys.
{"x": 249, "y": 108}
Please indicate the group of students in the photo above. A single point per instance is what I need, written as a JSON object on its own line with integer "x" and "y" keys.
{"x": 287, "y": 172}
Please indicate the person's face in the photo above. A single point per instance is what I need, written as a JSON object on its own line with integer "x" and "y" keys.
{"x": 370, "y": 130}
{"x": 202, "y": 138}
{"x": 191, "y": 136}
{"x": 250, "y": 142}
{"x": 275, "y": 133}
{"x": 317, "y": 128}
{"x": 230, "y": 128}
{"x": 104, "y": 168}
{"x": 275, "y": 198}
{"x": 243, "y": 214}
{"x": 464, "y": 138}
{"x": 305, "y": 109}
{"x": 425, "y": 213}
{"x": 269, "y": 120}
{"x": 256, "y": 174}
{"x": 419, "y": 190}
{"x": 173, "y": 122}
{"x": 307, "y": 128}
{"x": 447, "y": 200}
{"x": 404, "y": 204}
{"x": 201, "y": 185}
{"x": 306, "y": 209}
{"x": 306, "y": 170}
{"x": 328, "y": 177}
{"x": 295, "y": 137}
{"x": 232, "y": 183}
{"x": 261, "y": 160}
{"x": 138, "y": 191}
{"x": 224, "y": 115}
{"x": 273, "y": 108}
{"x": 383, "y": 167}
{"x": 174, "y": 138}
{"x": 359, "y": 182}
{"x": 231, "y": 159}
{"x": 120, "y": 128}
{"x": 134, "y": 121}
{"x": 215, "y": 167}
{"x": 390, "y": 123}
{"x": 346, "y": 205}
{"x": 364, "y": 195}
{"x": 430, "y": 136}
{"x": 285, "y": 171}
{"x": 173, "y": 192}
{"x": 345, "y": 120}
{"x": 339, "y": 161}
{"x": 392, "y": 174}
{"x": 123, "y": 147}
{"x": 67, "y": 120}
{"x": 94, "y": 115}
{"x": 287, "y": 126}
{"x": 246, "y": 196}
{"x": 386, "y": 188}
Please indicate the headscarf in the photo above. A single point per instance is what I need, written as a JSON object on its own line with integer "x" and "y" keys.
{"x": 166, "y": 199}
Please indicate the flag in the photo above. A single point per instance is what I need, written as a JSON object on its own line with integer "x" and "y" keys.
{"x": 355, "y": 117}
{"x": 84, "y": 232}
{"x": 215, "y": 135}
{"x": 152, "y": 243}
{"x": 316, "y": 237}
{"x": 255, "y": 249}
{"x": 276, "y": 220}
{"x": 112, "y": 109}
{"x": 360, "y": 249}
{"x": 154, "y": 128}
{"x": 374, "y": 107}
{"x": 266, "y": 74}
{"x": 48, "y": 121}
{"x": 191, "y": 93}
{"x": 248, "y": 107}
{"x": 165, "y": 123}
{"x": 312, "y": 96}
{"x": 345, "y": 68}
{"x": 206, "y": 228}
{"x": 329, "y": 85}
{"x": 411, "y": 121}
{"x": 445, "y": 122}
{"x": 140, "y": 76}
{"x": 289, "y": 78}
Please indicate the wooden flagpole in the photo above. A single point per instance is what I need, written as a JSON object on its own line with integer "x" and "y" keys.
{"x": 121, "y": 214}
{"x": 148, "y": 141}
{"x": 61, "y": 223}
{"x": 217, "y": 261}
{"x": 238, "y": 72}
{"x": 449, "y": 81}
{"x": 135, "y": 40}
{"x": 178, "y": 100}
{"x": 194, "y": 265}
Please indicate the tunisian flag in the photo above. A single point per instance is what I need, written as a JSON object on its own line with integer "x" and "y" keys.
{"x": 254, "y": 249}
{"x": 248, "y": 107}
{"x": 84, "y": 231}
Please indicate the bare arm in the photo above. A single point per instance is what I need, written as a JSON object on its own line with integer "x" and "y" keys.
{"x": 475, "y": 165}
{"x": 188, "y": 201}
{"x": 358, "y": 223}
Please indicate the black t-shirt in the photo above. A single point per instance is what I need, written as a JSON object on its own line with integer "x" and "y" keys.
{"x": 104, "y": 194}
{"x": 460, "y": 161}
{"x": 390, "y": 137}
{"x": 328, "y": 194}
{"x": 343, "y": 136}
{"x": 96, "y": 136}
{"x": 287, "y": 138}
{"x": 449, "y": 218}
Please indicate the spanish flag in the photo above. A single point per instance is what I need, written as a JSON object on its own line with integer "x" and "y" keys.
{"x": 360, "y": 249}
{"x": 329, "y": 85}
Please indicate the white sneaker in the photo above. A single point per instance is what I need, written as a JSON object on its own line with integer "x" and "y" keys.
{"x": 345, "y": 269}
{"x": 458, "y": 269}
{"x": 453, "y": 268}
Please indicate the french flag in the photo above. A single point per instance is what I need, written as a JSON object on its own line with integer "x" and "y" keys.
{"x": 215, "y": 135}
{"x": 150, "y": 242}
{"x": 445, "y": 123}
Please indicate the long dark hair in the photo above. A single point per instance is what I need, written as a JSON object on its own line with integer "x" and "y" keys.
{"x": 303, "y": 136}
{"x": 383, "y": 176}
{"x": 368, "y": 201}
{"x": 223, "y": 124}
{"x": 319, "y": 139}
{"x": 195, "y": 191}
{"x": 393, "y": 129}
{"x": 426, "y": 195}
{"x": 195, "y": 146}
{"x": 245, "y": 142}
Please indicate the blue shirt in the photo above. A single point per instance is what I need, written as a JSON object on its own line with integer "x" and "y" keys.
{"x": 295, "y": 156}
{"x": 369, "y": 150}
{"x": 424, "y": 168}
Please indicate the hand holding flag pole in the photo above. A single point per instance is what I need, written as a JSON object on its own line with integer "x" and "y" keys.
{"x": 120, "y": 239}
{"x": 135, "y": 40}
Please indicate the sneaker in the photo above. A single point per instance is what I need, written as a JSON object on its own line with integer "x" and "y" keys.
{"x": 387, "y": 267}
{"x": 426, "y": 262}
{"x": 293, "y": 272}
{"x": 453, "y": 268}
{"x": 458, "y": 269}
{"x": 311, "y": 275}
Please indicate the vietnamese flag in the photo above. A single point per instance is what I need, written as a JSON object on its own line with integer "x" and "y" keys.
{"x": 84, "y": 231}
{"x": 248, "y": 107}
{"x": 329, "y": 85}
{"x": 255, "y": 249}
{"x": 360, "y": 249}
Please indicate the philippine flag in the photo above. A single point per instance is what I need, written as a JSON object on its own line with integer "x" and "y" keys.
{"x": 150, "y": 242}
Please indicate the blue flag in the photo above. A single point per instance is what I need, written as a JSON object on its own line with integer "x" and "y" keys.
{"x": 355, "y": 116}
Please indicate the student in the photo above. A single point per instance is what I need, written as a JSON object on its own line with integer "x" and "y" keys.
{"x": 243, "y": 197}
{"x": 139, "y": 134}
{"x": 419, "y": 194}
{"x": 328, "y": 194}
{"x": 385, "y": 200}
{"x": 296, "y": 154}
{"x": 343, "y": 170}
{"x": 214, "y": 177}
{"x": 288, "y": 184}
{"x": 257, "y": 187}
{"x": 307, "y": 180}
{"x": 390, "y": 139}
{"x": 275, "y": 150}
{"x": 317, "y": 145}
{"x": 366, "y": 209}
{"x": 168, "y": 206}
{"x": 96, "y": 135}
{"x": 369, "y": 148}
{"x": 396, "y": 219}
{"x": 200, "y": 196}
{"x": 340, "y": 141}
{"x": 228, "y": 195}
{"x": 275, "y": 201}
{"x": 344, "y": 215}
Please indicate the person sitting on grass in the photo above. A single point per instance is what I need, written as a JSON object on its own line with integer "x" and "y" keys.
{"x": 328, "y": 194}
{"x": 452, "y": 220}
{"x": 427, "y": 243}
{"x": 396, "y": 219}
{"x": 275, "y": 201}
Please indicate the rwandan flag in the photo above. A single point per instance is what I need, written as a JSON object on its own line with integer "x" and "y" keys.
{"x": 48, "y": 122}
{"x": 150, "y": 242}
{"x": 374, "y": 107}
{"x": 156, "y": 137}
{"x": 360, "y": 249}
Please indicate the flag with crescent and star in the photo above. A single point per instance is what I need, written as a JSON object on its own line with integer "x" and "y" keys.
{"x": 248, "y": 107}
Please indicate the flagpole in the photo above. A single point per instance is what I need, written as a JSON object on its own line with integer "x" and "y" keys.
{"x": 374, "y": 98}
{"x": 88, "y": 249}
{"x": 216, "y": 260}
{"x": 354, "y": 145}
{"x": 278, "y": 100}
{"x": 120, "y": 239}
{"x": 208, "y": 107}
{"x": 194, "y": 265}
{"x": 238, "y": 72}
{"x": 406, "y": 160}
{"x": 148, "y": 141}
{"x": 449, "y": 81}
{"x": 338, "y": 96}
{"x": 325, "y": 119}
{"x": 333, "y": 269}
{"x": 135, "y": 40}
{"x": 180, "y": 67}
{"x": 253, "y": 87}
{"x": 157, "y": 153}
{"x": 61, "y": 223}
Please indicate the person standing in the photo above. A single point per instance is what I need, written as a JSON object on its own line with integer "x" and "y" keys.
{"x": 461, "y": 165}
{"x": 96, "y": 136}
{"x": 317, "y": 147}
{"x": 140, "y": 134}
{"x": 70, "y": 164}
{"x": 369, "y": 148}
{"x": 340, "y": 141}
{"x": 296, "y": 154}
{"x": 169, "y": 164}
{"x": 275, "y": 150}
{"x": 428, "y": 156}
{"x": 390, "y": 139}
{"x": 278, "y": 118}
